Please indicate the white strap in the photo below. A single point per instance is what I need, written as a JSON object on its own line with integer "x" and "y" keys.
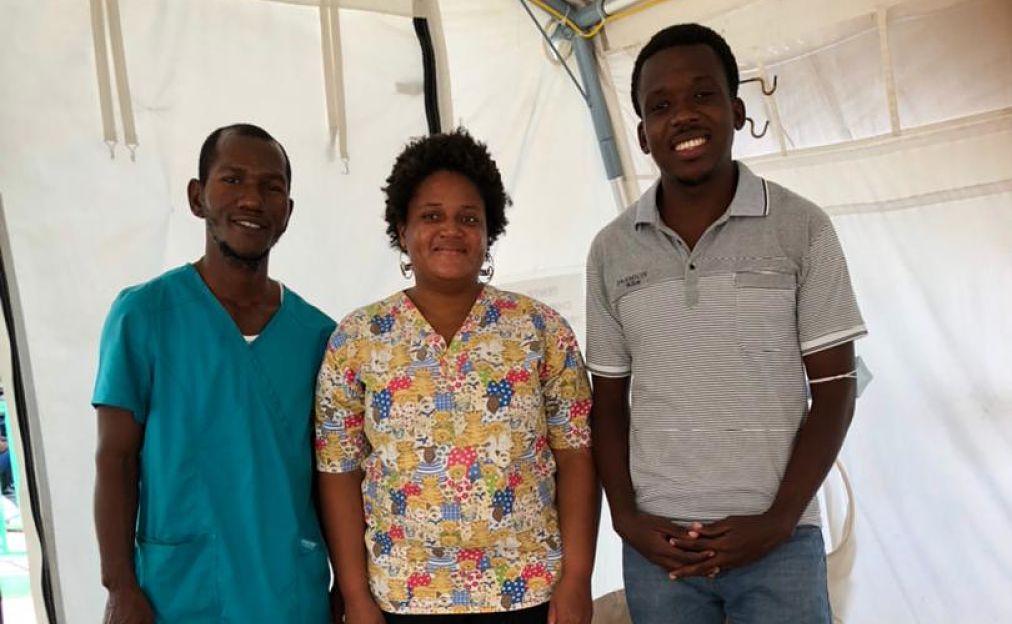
{"x": 882, "y": 22}
{"x": 103, "y": 12}
{"x": 333, "y": 76}
{"x": 102, "y": 68}
{"x": 126, "y": 110}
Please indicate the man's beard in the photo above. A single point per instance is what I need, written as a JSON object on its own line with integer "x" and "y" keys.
{"x": 250, "y": 262}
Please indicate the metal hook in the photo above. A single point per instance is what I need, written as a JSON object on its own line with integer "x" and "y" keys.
{"x": 762, "y": 84}
{"x": 751, "y": 128}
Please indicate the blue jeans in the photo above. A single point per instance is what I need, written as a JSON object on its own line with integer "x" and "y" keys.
{"x": 786, "y": 586}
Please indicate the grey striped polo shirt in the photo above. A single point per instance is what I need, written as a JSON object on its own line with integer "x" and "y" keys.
{"x": 713, "y": 339}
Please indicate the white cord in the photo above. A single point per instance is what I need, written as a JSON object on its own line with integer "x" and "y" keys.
{"x": 851, "y": 375}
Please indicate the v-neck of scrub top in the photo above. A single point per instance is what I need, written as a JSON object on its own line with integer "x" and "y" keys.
{"x": 250, "y": 338}
{"x": 433, "y": 338}
{"x": 225, "y": 318}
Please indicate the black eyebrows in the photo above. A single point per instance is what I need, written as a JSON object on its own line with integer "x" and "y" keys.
{"x": 236, "y": 169}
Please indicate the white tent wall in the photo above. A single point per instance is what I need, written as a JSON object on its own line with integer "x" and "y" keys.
{"x": 924, "y": 218}
{"x": 928, "y": 452}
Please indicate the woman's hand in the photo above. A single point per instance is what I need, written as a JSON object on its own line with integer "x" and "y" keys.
{"x": 362, "y": 609}
{"x": 571, "y": 602}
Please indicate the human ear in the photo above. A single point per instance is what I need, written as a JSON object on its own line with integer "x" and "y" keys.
{"x": 194, "y": 196}
{"x": 291, "y": 209}
{"x": 738, "y": 107}
{"x": 400, "y": 238}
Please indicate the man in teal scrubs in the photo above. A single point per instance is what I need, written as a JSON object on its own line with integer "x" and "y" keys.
{"x": 204, "y": 502}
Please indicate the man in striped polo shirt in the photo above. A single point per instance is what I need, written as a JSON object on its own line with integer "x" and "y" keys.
{"x": 713, "y": 303}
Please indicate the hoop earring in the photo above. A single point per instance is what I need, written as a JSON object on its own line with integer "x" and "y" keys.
{"x": 407, "y": 269}
{"x": 487, "y": 269}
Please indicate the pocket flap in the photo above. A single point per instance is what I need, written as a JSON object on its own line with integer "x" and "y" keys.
{"x": 765, "y": 279}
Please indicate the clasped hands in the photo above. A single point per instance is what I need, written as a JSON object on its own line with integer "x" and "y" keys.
{"x": 704, "y": 549}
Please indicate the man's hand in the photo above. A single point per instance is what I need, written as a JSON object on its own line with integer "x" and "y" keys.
{"x": 659, "y": 540}
{"x": 571, "y": 602}
{"x": 336, "y": 605}
{"x": 362, "y": 609}
{"x": 128, "y": 606}
{"x": 736, "y": 540}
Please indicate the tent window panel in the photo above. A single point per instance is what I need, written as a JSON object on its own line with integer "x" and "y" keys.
{"x": 952, "y": 62}
{"x": 834, "y": 93}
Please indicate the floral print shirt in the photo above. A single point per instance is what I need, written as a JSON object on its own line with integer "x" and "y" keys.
{"x": 455, "y": 442}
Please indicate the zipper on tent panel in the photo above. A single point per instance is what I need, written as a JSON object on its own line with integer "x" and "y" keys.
{"x": 17, "y": 396}
{"x": 429, "y": 9}
{"x": 430, "y": 81}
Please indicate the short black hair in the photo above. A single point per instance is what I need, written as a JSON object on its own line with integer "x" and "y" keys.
{"x": 209, "y": 150}
{"x": 455, "y": 151}
{"x": 685, "y": 35}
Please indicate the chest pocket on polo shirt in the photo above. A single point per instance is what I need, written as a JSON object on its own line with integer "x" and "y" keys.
{"x": 765, "y": 311}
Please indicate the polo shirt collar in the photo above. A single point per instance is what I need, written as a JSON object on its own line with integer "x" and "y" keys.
{"x": 751, "y": 199}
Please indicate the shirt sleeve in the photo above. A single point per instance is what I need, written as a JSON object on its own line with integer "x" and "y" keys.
{"x": 607, "y": 352}
{"x": 341, "y": 444}
{"x": 125, "y": 369}
{"x": 827, "y": 308}
{"x": 564, "y": 386}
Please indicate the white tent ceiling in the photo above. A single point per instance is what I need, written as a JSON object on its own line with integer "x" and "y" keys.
{"x": 896, "y": 116}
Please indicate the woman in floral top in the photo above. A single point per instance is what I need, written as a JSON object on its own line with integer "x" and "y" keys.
{"x": 451, "y": 421}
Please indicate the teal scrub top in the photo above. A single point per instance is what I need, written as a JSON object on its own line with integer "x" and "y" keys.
{"x": 226, "y": 529}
